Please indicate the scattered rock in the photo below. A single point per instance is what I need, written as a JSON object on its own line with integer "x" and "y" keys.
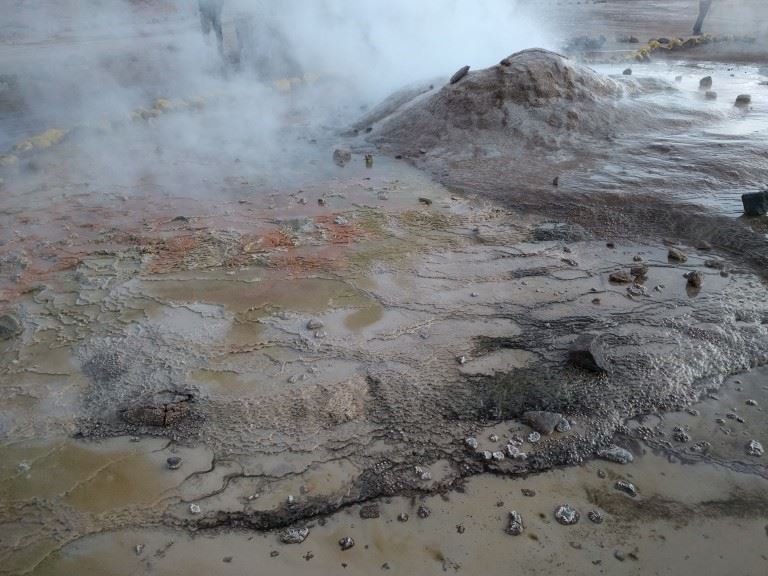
{"x": 346, "y": 543}
{"x": 567, "y": 515}
{"x": 515, "y": 526}
{"x": 563, "y": 426}
{"x": 342, "y": 156}
{"x": 595, "y": 516}
{"x": 294, "y": 535}
{"x": 543, "y": 422}
{"x": 10, "y": 327}
{"x": 695, "y": 279}
{"x": 403, "y": 517}
{"x": 676, "y": 255}
{"x": 705, "y": 83}
{"x": 370, "y": 511}
{"x": 620, "y": 277}
{"x": 423, "y": 512}
{"x": 471, "y": 443}
{"x": 627, "y": 488}
{"x": 534, "y": 437}
{"x": 617, "y": 454}
{"x": 755, "y": 449}
{"x": 460, "y": 74}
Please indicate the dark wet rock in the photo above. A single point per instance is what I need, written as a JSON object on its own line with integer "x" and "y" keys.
{"x": 617, "y": 454}
{"x": 515, "y": 525}
{"x": 620, "y": 277}
{"x": 743, "y": 100}
{"x": 370, "y": 512}
{"x": 587, "y": 353}
{"x": 626, "y": 487}
{"x": 755, "y": 203}
{"x": 710, "y": 95}
{"x": 423, "y": 512}
{"x": 627, "y": 72}
{"x": 459, "y": 75}
{"x": 293, "y": 535}
{"x": 543, "y": 422}
{"x": 705, "y": 83}
{"x": 173, "y": 462}
{"x": 695, "y": 279}
{"x": 346, "y": 543}
{"x": 595, "y": 516}
{"x": 342, "y": 156}
{"x": 676, "y": 255}
{"x": 567, "y": 515}
{"x": 10, "y": 327}
{"x": 755, "y": 449}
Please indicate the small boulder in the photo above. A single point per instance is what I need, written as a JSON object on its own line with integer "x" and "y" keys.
{"x": 743, "y": 100}
{"x": 567, "y": 515}
{"x": 695, "y": 279}
{"x": 515, "y": 527}
{"x": 617, "y": 454}
{"x": 586, "y": 353}
{"x": 676, "y": 255}
{"x": 10, "y": 327}
{"x": 621, "y": 277}
{"x": 755, "y": 204}
{"x": 294, "y": 535}
{"x": 705, "y": 83}
{"x": 543, "y": 422}
{"x": 342, "y": 156}
{"x": 460, "y": 74}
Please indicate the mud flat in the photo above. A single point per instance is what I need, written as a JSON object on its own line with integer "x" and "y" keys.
{"x": 188, "y": 384}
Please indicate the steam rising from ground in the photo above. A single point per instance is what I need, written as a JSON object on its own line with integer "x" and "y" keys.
{"x": 90, "y": 63}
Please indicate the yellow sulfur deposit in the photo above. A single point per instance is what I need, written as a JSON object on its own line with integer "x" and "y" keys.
{"x": 41, "y": 141}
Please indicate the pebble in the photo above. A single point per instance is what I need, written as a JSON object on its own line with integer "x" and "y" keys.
{"x": 139, "y": 548}
{"x": 498, "y": 456}
{"x": 528, "y": 493}
{"x": 471, "y": 443}
{"x": 595, "y": 516}
{"x": 676, "y": 255}
{"x": 563, "y": 426}
{"x": 462, "y": 360}
{"x": 173, "y": 462}
{"x": 695, "y": 279}
{"x": 627, "y": 488}
{"x": 346, "y": 543}
{"x": 515, "y": 453}
{"x": 315, "y": 324}
{"x": 195, "y": 509}
{"x": 403, "y": 517}
{"x": 294, "y": 535}
{"x": 340, "y": 221}
{"x": 751, "y": 402}
{"x": 493, "y": 438}
{"x": 424, "y": 512}
{"x": 755, "y": 449}
{"x": 567, "y": 515}
{"x": 617, "y": 454}
{"x": 515, "y": 526}
{"x": 534, "y": 437}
